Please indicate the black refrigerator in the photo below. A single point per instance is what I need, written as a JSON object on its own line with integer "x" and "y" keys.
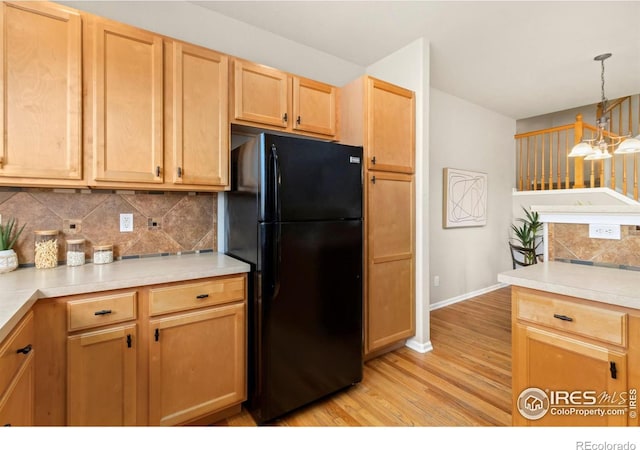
{"x": 294, "y": 213}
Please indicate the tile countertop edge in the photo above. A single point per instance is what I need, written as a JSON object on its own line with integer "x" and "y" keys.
{"x": 17, "y": 299}
{"x": 601, "y": 284}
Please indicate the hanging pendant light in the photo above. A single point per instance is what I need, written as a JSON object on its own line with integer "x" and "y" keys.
{"x": 600, "y": 147}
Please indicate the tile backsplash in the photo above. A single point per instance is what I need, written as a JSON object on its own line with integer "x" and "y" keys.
{"x": 164, "y": 222}
{"x": 571, "y": 242}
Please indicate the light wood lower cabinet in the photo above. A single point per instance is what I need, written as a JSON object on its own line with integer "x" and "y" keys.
{"x": 566, "y": 371}
{"x": 166, "y": 354}
{"x": 102, "y": 379}
{"x": 17, "y": 375}
{"x": 196, "y": 364}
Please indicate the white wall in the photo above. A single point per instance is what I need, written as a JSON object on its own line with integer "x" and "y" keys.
{"x": 409, "y": 68}
{"x": 466, "y": 136}
{"x": 192, "y": 23}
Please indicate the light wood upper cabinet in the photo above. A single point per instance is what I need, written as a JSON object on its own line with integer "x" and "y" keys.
{"x": 314, "y": 106}
{"x": 197, "y": 126}
{"x": 390, "y": 127}
{"x": 125, "y": 83}
{"x": 270, "y": 98}
{"x": 260, "y": 94}
{"x": 390, "y": 307}
{"x": 17, "y": 375}
{"x": 40, "y": 86}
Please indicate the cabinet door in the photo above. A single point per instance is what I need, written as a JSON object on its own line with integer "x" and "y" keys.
{"x": 390, "y": 304}
{"x": 556, "y": 363}
{"x": 314, "y": 106}
{"x": 40, "y": 86}
{"x": 126, "y": 70}
{"x": 17, "y": 375}
{"x": 101, "y": 377}
{"x": 198, "y": 126}
{"x": 390, "y": 127}
{"x": 197, "y": 364}
{"x": 261, "y": 94}
{"x": 17, "y": 405}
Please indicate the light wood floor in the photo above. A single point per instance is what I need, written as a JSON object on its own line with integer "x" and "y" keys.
{"x": 464, "y": 381}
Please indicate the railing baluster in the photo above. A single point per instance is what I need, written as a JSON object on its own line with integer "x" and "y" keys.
{"x": 542, "y": 153}
{"x": 635, "y": 176}
{"x": 558, "y": 186}
{"x": 528, "y": 165}
{"x": 624, "y": 175}
{"x": 535, "y": 163}
{"x": 520, "y": 163}
{"x": 592, "y": 176}
{"x": 566, "y": 159}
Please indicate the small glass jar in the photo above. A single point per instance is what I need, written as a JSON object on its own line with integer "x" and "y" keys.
{"x": 75, "y": 252}
{"x": 46, "y": 249}
{"x": 102, "y": 254}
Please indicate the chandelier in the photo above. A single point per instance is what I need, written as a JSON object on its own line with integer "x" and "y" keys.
{"x": 601, "y": 146}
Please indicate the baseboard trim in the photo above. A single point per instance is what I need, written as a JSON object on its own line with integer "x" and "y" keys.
{"x": 467, "y": 296}
{"x": 420, "y": 347}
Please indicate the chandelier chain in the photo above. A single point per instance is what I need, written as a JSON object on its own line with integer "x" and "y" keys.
{"x": 604, "y": 99}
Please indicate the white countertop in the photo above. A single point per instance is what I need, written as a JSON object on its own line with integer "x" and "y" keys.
{"x": 20, "y": 289}
{"x": 607, "y": 285}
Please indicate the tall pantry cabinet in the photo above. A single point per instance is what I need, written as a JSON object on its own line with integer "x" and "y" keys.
{"x": 381, "y": 117}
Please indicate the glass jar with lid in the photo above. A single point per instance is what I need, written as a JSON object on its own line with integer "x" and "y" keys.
{"x": 102, "y": 254}
{"x": 75, "y": 252}
{"x": 46, "y": 249}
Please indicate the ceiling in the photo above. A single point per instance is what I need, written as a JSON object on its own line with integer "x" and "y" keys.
{"x": 517, "y": 58}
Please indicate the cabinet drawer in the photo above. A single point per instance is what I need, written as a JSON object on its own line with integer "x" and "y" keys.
{"x": 14, "y": 351}
{"x": 590, "y": 321}
{"x": 180, "y": 297}
{"x": 98, "y": 311}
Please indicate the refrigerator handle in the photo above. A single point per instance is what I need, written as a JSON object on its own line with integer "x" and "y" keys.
{"x": 277, "y": 256}
{"x": 276, "y": 181}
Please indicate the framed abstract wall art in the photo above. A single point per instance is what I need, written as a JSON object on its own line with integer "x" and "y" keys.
{"x": 464, "y": 198}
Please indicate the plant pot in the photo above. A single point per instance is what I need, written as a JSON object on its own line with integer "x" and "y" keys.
{"x": 8, "y": 260}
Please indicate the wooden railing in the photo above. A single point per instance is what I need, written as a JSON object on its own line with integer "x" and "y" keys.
{"x": 543, "y": 163}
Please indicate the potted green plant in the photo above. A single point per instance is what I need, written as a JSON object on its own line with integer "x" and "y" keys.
{"x": 527, "y": 236}
{"x": 9, "y": 234}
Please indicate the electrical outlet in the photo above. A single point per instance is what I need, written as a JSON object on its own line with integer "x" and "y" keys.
{"x": 604, "y": 231}
{"x": 126, "y": 223}
{"x": 72, "y": 226}
{"x": 436, "y": 280}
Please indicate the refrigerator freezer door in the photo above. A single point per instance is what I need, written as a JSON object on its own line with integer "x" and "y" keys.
{"x": 309, "y": 180}
{"x": 311, "y": 314}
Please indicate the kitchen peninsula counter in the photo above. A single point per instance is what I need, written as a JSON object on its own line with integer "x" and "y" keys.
{"x": 20, "y": 289}
{"x": 602, "y": 284}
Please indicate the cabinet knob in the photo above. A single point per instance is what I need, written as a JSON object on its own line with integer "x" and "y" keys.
{"x": 373, "y": 160}
{"x": 179, "y": 172}
{"x": 102, "y": 312}
{"x": 373, "y": 179}
{"x": 25, "y": 350}
{"x": 202, "y": 296}
{"x": 298, "y": 120}
{"x": 285, "y": 118}
{"x": 157, "y": 171}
